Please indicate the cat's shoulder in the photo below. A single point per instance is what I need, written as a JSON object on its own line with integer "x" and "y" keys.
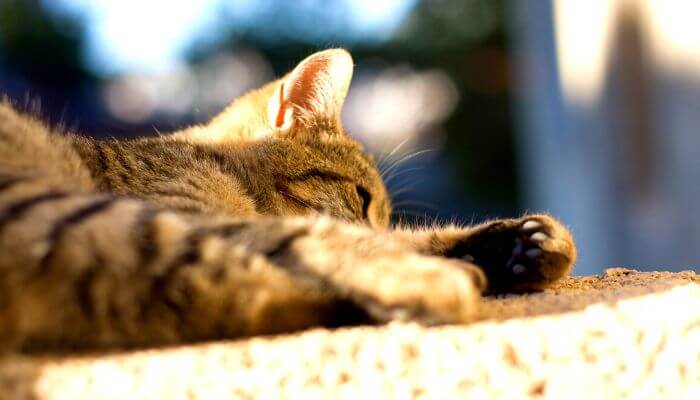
{"x": 20, "y": 122}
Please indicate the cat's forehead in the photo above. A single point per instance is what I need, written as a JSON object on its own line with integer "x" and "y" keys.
{"x": 343, "y": 149}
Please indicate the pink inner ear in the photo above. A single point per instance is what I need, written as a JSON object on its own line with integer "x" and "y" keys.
{"x": 320, "y": 82}
{"x": 279, "y": 120}
{"x": 314, "y": 90}
{"x": 306, "y": 83}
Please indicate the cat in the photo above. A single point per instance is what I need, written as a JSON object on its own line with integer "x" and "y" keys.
{"x": 268, "y": 219}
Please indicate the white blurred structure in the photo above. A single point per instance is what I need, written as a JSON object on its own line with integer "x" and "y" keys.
{"x": 211, "y": 85}
{"x": 397, "y": 105}
{"x": 610, "y": 117}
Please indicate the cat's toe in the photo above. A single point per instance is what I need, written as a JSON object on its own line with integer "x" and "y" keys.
{"x": 530, "y": 225}
{"x": 538, "y": 237}
{"x": 526, "y": 246}
{"x": 543, "y": 252}
{"x": 519, "y": 254}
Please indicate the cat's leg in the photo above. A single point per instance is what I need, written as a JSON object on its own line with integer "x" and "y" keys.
{"x": 389, "y": 279}
{"x": 527, "y": 253}
{"x": 98, "y": 270}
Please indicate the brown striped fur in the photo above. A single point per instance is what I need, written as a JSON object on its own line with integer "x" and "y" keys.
{"x": 268, "y": 219}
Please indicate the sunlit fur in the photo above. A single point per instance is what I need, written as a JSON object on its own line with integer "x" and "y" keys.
{"x": 269, "y": 176}
{"x": 267, "y": 219}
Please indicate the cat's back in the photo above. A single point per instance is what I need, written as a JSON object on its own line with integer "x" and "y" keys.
{"x": 29, "y": 149}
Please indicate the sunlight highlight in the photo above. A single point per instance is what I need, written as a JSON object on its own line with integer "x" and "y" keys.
{"x": 399, "y": 104}
{"x": 583, "y": 33}
{"x": 155, "y": 35}
{"x": 674, "y": 34}
{"x": 208, "y": 86}
{"x": 130, "y": 35}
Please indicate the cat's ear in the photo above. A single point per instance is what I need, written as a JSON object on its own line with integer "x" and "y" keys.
{"x": 313, "y": 93}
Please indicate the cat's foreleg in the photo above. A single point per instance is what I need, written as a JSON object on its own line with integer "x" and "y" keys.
{"x": 99, "y": 270}
{"x": 527, "y": 253}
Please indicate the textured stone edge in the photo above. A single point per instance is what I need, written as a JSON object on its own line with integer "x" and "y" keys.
{"x": 642, "y": 346}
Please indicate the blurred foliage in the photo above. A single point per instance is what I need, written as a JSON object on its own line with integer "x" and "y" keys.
{"x": 468, "y": 39}
{"x": 43, "y": 46}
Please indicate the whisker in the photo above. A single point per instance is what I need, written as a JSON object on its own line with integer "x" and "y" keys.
{"x": 400, "y": 172}
{"x": 404, "y": 159}
{"x": 385, "y": 156}
{"x": 398, "y": 147}
{"x": 392, "y": 163}
{"x": 403, "y": 190}
{"x": 402, "y": 186}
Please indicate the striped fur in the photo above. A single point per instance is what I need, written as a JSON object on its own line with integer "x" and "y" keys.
{"x": 268, "y": 219}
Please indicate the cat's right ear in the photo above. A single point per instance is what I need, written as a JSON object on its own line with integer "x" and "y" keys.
{"x": 312, "y": 94}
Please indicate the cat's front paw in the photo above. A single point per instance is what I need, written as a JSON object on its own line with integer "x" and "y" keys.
{"x": 522, "y": 254}
{"x": 429, "y": 290}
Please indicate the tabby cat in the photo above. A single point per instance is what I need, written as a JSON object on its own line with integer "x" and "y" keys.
{"x": 267, "y": 219}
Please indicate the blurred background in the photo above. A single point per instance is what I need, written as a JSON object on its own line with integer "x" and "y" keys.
{"x": 483, "y": 108}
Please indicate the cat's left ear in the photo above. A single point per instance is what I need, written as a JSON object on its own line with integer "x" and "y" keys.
{"x": 313, "y": 93}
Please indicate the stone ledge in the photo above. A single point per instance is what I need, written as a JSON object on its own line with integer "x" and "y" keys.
{"x": 617, "y": 335}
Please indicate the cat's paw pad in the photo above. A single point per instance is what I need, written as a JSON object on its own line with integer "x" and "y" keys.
{"x": 522, "y": 254}
{"x": 543, "y": 252}
{"x": 526, "y": 248}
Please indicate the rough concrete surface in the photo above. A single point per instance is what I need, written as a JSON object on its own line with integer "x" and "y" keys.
{"x": 624, "y": 334}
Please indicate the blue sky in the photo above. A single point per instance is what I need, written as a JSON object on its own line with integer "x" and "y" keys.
{"x": 143, "y": 35}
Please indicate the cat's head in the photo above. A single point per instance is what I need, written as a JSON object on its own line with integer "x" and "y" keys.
{"x": 299, "y": 154}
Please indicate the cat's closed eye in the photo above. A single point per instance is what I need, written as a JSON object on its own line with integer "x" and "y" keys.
{"x": 365, "y": 200}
